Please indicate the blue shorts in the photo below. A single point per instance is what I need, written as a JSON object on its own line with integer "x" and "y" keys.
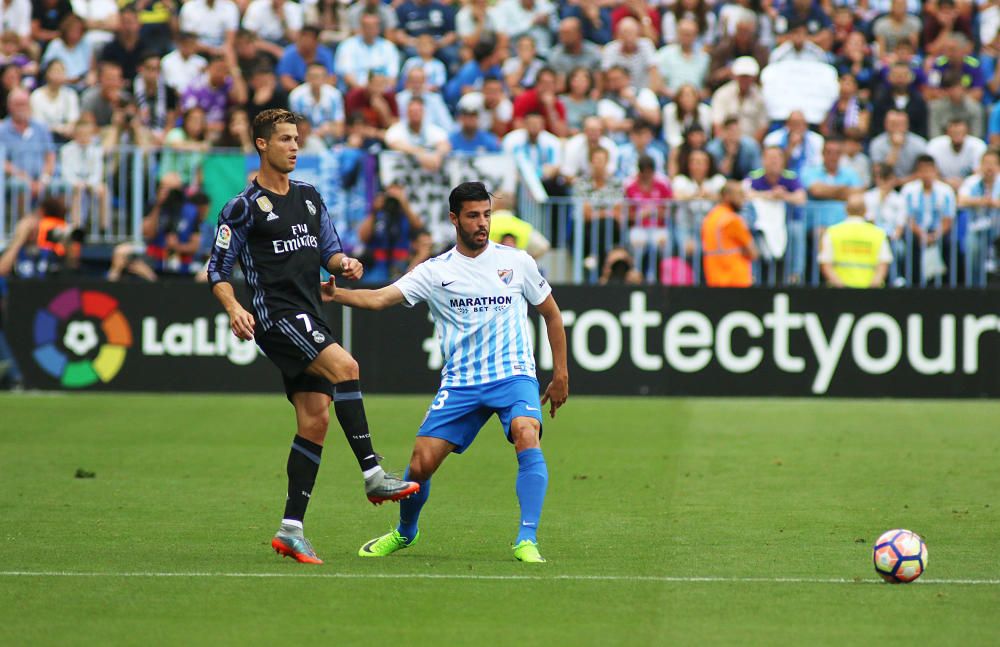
{"x": 459, "y": 412}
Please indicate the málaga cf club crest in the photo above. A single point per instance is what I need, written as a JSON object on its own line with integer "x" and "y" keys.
{"x": 505, "y": 276}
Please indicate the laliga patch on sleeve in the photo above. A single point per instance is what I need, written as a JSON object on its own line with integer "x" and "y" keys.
{"x": 224, "y": 236}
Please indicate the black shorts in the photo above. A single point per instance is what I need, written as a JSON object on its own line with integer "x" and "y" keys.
{"x": 292, "y": 343}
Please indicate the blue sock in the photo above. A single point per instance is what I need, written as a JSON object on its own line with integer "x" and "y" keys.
{"x": 409, "y": 508}
{"x": 532, "y": 480}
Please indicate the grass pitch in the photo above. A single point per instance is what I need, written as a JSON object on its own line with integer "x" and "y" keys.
{"x": 667, "y": 522}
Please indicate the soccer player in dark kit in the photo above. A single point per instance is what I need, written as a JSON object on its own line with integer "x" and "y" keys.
{"x": 281, "y": 233}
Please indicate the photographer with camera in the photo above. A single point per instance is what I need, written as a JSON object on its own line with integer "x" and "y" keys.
{"x": 619, "y": 269}
{"x": 43, "y": 243}
{"x": 394, "y": 237}
{"x": 172, "y": 230}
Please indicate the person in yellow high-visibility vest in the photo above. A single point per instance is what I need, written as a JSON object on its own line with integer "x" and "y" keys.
{"x": 855, "y": 253}
{"x": 508, "y": 229}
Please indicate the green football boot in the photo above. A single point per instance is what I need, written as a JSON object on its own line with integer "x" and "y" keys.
{"x": 387, "y": 544}
{"x": 527, "y": 551}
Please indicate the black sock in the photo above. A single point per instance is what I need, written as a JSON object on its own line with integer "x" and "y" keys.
{"x": 303, "y": 463}
{"x": 350, "y": 410}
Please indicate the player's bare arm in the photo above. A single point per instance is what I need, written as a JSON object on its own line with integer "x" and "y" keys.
{"x": 240, "y": 321}
{"x": 379, "y": 299}
{"x": 557, "y": 392}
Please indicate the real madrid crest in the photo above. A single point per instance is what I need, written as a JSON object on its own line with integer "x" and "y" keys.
{"x": 264, "y": 204}
{"x": 311, "y": 207}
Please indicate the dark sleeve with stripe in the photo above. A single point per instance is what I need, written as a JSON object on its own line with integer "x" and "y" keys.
{"x": 329, "y": 239}
{"x": 230, "y": 237}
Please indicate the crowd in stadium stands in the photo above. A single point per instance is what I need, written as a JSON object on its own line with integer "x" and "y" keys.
{"x": 621, "y": 104}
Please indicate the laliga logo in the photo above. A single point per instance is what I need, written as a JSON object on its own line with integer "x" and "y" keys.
{"x": 70, "y": 358}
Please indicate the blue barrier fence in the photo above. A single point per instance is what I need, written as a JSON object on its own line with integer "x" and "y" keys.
{"x": 660, "y": 241}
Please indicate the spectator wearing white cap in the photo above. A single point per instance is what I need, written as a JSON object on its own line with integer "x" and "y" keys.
{"x": 495, "y": 110}
{"x": 469, "y": 138}
{"x": 742, "y": 98}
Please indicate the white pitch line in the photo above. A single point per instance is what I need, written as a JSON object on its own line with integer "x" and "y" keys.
{"x": 460, "y": 576}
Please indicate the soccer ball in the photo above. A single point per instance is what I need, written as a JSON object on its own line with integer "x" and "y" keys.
{"x": 900, "y": 556}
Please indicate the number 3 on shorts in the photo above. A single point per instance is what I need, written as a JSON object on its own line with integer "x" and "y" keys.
{"x": 439, "y": 400}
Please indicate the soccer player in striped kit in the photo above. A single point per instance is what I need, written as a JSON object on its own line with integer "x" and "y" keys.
{"x": 280, "y": 232}
{"x": 478, "y": 294}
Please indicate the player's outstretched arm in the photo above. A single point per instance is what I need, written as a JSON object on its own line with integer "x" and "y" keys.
{"x": 379, "y": 299}
{"x": 240, "y": 321}
{"x": 557, "y": 392}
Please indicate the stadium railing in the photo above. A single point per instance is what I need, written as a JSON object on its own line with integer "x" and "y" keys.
{"x": 131, "y": 176}
{"x": 128, "y": 178}
{"x": 662, "y": 238}
{"x": 663, "y": 241}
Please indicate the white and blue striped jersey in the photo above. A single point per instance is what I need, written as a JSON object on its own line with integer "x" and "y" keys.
{"x": 929, "y": 208}
{"x": 480, "y": 311}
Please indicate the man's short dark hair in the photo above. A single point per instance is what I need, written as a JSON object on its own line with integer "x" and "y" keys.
{"x": 544, "y": 70}
{"x": 264, "y": 124}
{"x": 419, "y": 100}
{"x": 52, "y": 207}
{"x": 730, "y": 120}
{"x": 263, "y": 67}
{"x": 924, "y": 159}
{"x": 147, "y": 54}
{"x": 882, "y": 170}
{"x": 467, "y": 192}
{"x": 484, "y": 49}
{"x": 646, "y": 163}
{"x": 310, "y": 29}
{"x": 640, "y": 125}
{"x": 797, "y": 23}
{"x": 107, "y": 64}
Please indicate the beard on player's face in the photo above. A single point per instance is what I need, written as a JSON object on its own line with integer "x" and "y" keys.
{"x": 476, "y": 238}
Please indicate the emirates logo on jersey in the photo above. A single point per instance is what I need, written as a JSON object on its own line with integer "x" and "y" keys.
{"x": 506, "y": 276}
